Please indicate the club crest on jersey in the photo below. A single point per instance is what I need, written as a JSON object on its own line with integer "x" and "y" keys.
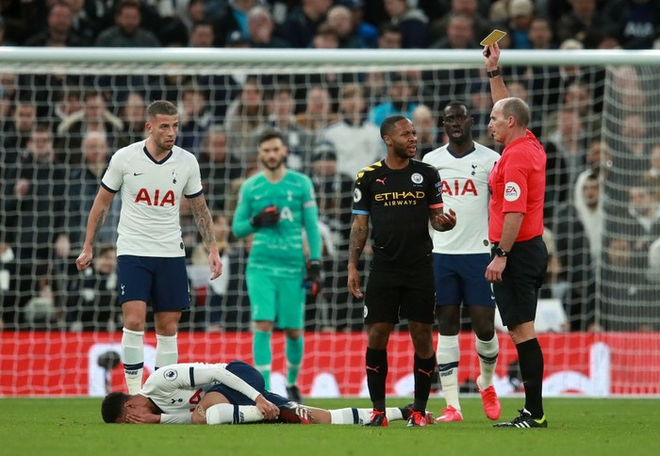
{"x": 417, "y": 178}
{"x": 357, "y": 195}
{"x": 170, "y": 374}
{"x": 173, "y": 177}
{"x": 511, "y": 191}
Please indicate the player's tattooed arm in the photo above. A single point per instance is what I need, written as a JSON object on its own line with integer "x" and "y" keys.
{"x": 442, "y": 221}
{"x": 356, "y": 243}
{"x": 99, "y": 220}
{"x": 358, "y": 238}
{"x": 203, "y": 220}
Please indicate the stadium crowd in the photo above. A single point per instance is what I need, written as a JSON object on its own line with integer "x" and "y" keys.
{"x": 602, "y": 212}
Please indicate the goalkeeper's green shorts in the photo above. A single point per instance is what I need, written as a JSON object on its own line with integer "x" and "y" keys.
{"x": 275, "y": 298}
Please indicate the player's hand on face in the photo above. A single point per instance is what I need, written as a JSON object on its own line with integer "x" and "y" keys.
{"x": 269, "y": 410}
{"x": 446, "y": 220}
{"x": 142, "y": 416}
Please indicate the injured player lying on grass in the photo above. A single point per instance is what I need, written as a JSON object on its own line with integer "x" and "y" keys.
{"x": 233, "y": 393}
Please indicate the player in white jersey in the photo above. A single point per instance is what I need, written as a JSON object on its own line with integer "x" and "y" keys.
{"x": 233, "y": 393}
{"x": 460, "y": 258}
{"x": 152, "y": 175}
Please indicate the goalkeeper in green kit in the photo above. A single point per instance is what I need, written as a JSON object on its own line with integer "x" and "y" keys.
{"x": 275, "y": 205}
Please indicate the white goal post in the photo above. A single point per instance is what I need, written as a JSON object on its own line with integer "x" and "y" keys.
{"x": 596, "y": 112}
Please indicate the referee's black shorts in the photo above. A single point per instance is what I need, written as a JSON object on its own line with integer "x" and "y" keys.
{"x": 407, "y": 294}
{"x": 517, "y": 294}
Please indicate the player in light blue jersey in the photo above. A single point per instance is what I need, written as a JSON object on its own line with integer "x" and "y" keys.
{"x": 460, "y": 258}
{"x": 276, "y": 205}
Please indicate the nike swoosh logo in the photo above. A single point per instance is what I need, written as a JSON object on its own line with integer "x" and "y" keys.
{"x": 138, "y": 174}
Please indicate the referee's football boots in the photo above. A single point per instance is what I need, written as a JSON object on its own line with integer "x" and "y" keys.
{"x": 524, "y": 421}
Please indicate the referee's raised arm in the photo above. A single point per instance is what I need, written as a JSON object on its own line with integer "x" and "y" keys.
{"x": 497, "y": 87}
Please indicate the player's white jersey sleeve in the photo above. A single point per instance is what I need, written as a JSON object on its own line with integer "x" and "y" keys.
{"x": 465, "y": 190}
{"x": 179, "y": 387}
{"x": 151, "y": 195}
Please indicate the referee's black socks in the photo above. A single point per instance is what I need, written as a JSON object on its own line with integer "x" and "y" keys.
{"x": 423, "y": 377}
{"x": 530, "y": 358}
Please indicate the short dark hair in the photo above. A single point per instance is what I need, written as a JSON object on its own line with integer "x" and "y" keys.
{"x": 161, "y": 107}
{"x": 271, "y": 134}
{"x": 388, "y": 124}
{"x": 112, "y": 406}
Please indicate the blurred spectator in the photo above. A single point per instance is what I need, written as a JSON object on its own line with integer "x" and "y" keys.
{"x": 234, "y": 18}
{"x": 572, "y": 226}
{"x": 578, "y": 23}
{"x": 95, "y": 116}
{"x": 652, "y": 176}
{"x": 326, "y": 37}
{"x": 81, "y": 24}
{"x": 521, "y": 15}
{"x": 133, "y": 114}
{"x": 244, "y": 115}
{"x": 411, "y": 20}
{"x": 127, "y": 31}
{"x": 401, "y": 94}
{"x": 634, "y": 22}
{"x": 261, "y": 27}
{"x": 194, "y": 118}
{"x": 302, "y": 21}
{"x": 172, "y": 30}
{"x": 58, "y": 32}
{"x": 427, "y": 130}
{"x": 389, "y": 36}
{"x": 318, "y": 112}
{"x": 92, "y": 296}
{"x": 202, "y": 34}
{"x": 195, "y": 12}
{"x": 460, "y": 34}
{"x": 69, "y": 101}
{"x": 37, "y": 210}
{"x": 565, "y": 147}
{"x": 340, "y": 18}
{"x": 216, "y": 290}
{"x": 299, "y": 140}
{"x": 334, "y": 191}
{"x": 589, "y": 209}
{"x": 355, "y": 139}
{"x": 627, "y": 302}
{"x": 84, "y": 185}
{"x": 367, "y": 33}
{"x": 632, "y": 147}
{"x": 481, "y": 25}
{"x": 218, "y": 168}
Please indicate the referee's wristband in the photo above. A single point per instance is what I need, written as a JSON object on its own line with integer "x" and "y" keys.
{"x": 493, "y": 74}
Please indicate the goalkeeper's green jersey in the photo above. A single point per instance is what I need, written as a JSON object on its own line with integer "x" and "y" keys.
{"x": 279, "y": 248}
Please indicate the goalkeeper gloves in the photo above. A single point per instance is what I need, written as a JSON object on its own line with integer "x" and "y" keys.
{"x": 313, "y": 278}
{"x": 269, "y": 216}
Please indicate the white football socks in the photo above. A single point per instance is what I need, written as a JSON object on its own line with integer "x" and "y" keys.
{"x": 132, "y": 347}
{"x": 448, "y": 356}
{"x": 233, "y": 414}
{"x": 166, "y": 350}
{"x": 488, "y": 351}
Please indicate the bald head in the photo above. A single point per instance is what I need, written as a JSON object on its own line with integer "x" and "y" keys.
{"x": 516, "y": 108}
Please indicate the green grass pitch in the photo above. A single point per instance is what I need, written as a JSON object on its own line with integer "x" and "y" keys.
{"x": 576, "y": 427}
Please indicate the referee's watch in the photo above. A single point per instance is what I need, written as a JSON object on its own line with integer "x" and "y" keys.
{"x": 500, "y": 252}
{"x": 492, "y": 74}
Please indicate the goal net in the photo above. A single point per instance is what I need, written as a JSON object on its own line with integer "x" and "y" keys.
{"x": 64, "y": 112}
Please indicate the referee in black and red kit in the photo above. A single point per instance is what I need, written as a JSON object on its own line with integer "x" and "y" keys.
{"x": 401, "y": 196}
{"x": 515, "y": 227}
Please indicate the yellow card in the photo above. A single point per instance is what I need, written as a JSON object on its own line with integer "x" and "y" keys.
{"x": 493, "y": 37}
